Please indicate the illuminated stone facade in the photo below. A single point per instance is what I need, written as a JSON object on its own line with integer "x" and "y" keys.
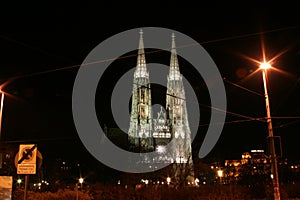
{"x": 149, "y": 134}
{"x": 140, "y": 130}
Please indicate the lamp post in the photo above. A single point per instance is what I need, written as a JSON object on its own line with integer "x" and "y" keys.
{"x": 19, "y": 181}
{"x": 220, "y": 174}
{"x": 80, "y": 181}
{"x": 274, "y": 170}
{"x": 168, "y": 180}
{"x": 76, "y": 187}
{"x": 1, "y": 110}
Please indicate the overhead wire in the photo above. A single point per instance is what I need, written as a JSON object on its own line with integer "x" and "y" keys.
{"x": 214, "y": 108}
{"x": 168, "y": 49}
{"x": 34, "y": 48}
{"x": 154, "y": 51}
{"x": 241, "y": 87}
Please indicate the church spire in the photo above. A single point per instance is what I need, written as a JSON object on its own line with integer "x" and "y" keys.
{"x": 174, "y": 73}
{"x": 141, "y": 70}
{"x": 174, "y": 59}
{"x": 141, "y": 61}
{"x": 140, "y": 129}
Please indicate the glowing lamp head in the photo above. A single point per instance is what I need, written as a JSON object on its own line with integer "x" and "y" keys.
{"x": 220, "y": 173}
{"x": 80, "y": 180}
{"x": 168, "y": 180}
{"x": 265, "y": 65}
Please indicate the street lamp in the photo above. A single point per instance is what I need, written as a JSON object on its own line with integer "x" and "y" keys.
{"x": 80, "y": 181}
{"x": 274, "y": 170}
{"x": 220, "y": 174}
{"x": 168, "y": 180}
{"x": 197, "y": 181}
{"x": 19, "y": 181}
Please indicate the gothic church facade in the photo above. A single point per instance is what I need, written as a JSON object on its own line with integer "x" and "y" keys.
{"x": 147, "y": 133}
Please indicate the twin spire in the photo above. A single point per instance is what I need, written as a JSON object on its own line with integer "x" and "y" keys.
{"x": 141, "y": 60}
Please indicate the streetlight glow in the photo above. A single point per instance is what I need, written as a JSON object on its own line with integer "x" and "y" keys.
{"x": 265, "y": 65}
{"x": 168, "y": 180}
{"x": 19, "y": 181}
{"x": 197, "y": 181}
{"x": 80, "y": 180}
{"x": 220, "y": 173}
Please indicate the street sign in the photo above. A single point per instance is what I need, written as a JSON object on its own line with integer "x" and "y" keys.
{"x": 27, "y": 159}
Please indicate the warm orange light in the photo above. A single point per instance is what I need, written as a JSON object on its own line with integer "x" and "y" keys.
{"x": 220, "y": 173}
{"x": 168, "y": 180}
{"x": 80, "y": 180}
{"x": 265, "y": 65}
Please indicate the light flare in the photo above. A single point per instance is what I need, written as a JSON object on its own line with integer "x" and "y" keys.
{"x": 265, "y": 65}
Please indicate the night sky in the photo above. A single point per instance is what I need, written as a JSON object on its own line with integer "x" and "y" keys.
{"x": 35, "y": 40}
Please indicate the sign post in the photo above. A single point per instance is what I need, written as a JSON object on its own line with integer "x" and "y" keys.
{"x": 25, "y": 187}
{"x": 26, "y": 162}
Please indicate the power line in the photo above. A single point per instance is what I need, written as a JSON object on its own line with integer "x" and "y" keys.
{"x": 251, "y": 34}
{"x": 232, "y": 122}
{"x": 38, "y": 140}
{"x": 32, "y": 47}
{"x": 248, "y": 118}
{"x": 179, "y": 47}
{"x": 168, "y": 49}
{"x": 241, "y": 87}
{"x": 287, "y": 124}
{"x": 285, "y": 117}
{"x": 211, "y": 107}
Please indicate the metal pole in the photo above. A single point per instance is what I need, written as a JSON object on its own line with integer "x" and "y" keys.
{"x": 76, "y": 191}
{"x": 274, "y": 169}
{"x": 25, "y": 187}
{"x": 1, "y": 111}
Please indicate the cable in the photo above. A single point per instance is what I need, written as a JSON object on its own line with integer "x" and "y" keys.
{"x": 37, "y": 140}
{"x": 241, "y": 87}
{"x": 210, "y": 107}
{"x": 286, "y": 124}
{"x": 134, "y": 55}
{"x": 155, "y": 51}
{"x": 231, "y": 122}
{"x": 33, "y": 47}
{"x": 251, "y": 34}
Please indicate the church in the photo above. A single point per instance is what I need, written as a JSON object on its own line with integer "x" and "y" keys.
{"x": 148, "y": 133}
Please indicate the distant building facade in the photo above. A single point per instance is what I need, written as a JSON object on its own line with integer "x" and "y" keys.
{"x": 255, "y": 162}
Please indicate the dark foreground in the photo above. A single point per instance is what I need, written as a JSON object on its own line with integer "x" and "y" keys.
{"x": 166, "y": 192}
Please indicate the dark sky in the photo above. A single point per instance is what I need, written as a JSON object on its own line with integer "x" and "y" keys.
{"x": 36, "y": 38}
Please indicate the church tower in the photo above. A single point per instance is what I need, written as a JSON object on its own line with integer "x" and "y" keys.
{"x": 140, "y": 129}
{"x": 177, "y": 114}
{"x": 171, "y": 125}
